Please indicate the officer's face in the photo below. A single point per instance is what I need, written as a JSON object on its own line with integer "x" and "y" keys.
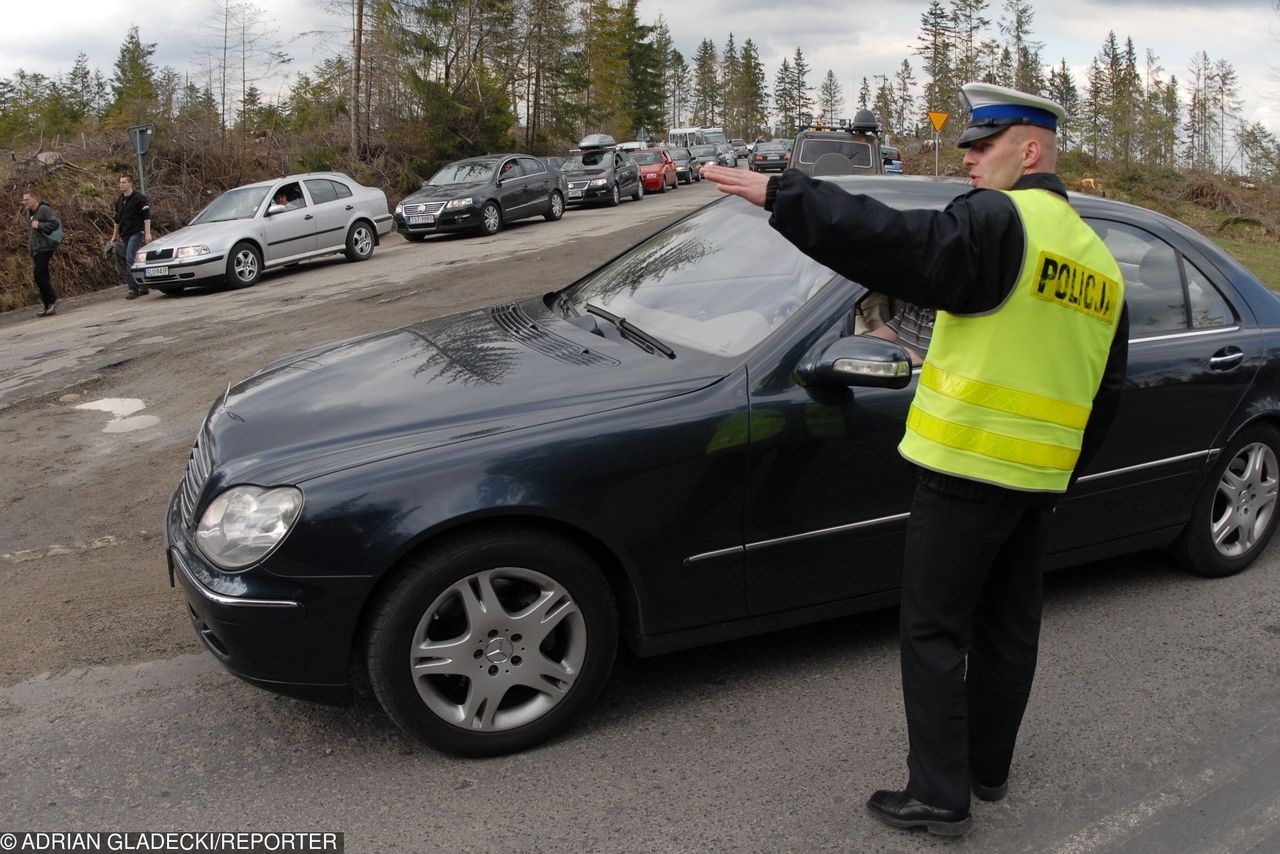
{"x": 997, "y": 162}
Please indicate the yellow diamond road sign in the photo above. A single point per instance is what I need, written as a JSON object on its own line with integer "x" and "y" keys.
{"x": 939, "y": 119}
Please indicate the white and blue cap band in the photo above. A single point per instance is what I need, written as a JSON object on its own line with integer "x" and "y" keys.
{"x": 993, "y": 109}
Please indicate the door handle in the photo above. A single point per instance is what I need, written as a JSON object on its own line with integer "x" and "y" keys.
{"x": 1226, "y": 359}
{"x": 351, "y": 207}
{"x": 308, "y": 216}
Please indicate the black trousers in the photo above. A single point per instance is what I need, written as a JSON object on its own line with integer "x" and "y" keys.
{"x": 41, "y": 260}
{"x": 970, "y": 628}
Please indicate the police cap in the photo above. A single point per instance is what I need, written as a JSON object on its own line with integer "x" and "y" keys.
{"x": 992, "y": 109}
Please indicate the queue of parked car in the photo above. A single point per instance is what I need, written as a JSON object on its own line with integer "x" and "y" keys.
{"x": 281, "y": 222}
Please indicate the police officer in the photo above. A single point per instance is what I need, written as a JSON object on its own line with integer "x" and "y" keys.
{"x": 1021, "y": 379}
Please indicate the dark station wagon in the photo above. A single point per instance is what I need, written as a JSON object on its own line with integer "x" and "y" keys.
{"x": 688, "y": 445}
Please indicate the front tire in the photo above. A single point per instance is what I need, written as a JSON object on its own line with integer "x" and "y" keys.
{"x": 1234, "y": 516}
{"x": 492, "y": 642}
{"x": 615, "y": 197}
{"x": 244, "y": 265}
{"x": 490, "y": 218}
{"x": 359, "y": 241}
{"x": 555, "y": 207}
{"x": 639, "y": 193}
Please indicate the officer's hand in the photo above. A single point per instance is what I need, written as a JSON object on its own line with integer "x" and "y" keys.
{"x": 35, "y": 223}
{"x": 738, "y": 182}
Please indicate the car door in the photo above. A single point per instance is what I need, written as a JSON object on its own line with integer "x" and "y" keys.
{"x": 628, "y": 172}
{"x": 330, "y": 216}
{"x": 512, "y": 190}
{"x": 292, "y": 232}
{"x": 827, "y": 494}
{"x": 537, "y": 185}
{"x": 1192, "y": 355}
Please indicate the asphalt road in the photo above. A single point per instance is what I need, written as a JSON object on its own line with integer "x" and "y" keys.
{"x": 1154, "y": 725}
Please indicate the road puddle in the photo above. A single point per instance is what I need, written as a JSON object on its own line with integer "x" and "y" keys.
{"x": 122, "y": 411}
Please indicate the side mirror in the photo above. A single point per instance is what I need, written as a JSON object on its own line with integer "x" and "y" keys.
{"x": 857, "y": 360}
{"x": 275, "y": 209}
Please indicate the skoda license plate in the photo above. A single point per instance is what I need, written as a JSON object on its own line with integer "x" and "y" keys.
{"x": 426, "y": 219}
{"x": 156, "y": 271}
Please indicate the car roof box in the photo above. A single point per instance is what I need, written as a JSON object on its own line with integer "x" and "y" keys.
{"x": 596, "y": 140}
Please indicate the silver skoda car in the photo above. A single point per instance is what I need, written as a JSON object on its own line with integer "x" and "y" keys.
{"x": 264, "y": 225}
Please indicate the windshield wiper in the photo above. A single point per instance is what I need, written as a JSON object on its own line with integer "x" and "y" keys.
{"x": 631, "y": 332}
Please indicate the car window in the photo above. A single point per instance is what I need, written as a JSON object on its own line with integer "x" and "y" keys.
{"x": 531, "y": 167}
{"x": 1207, "y": 306}
{"x": 812, "y": 149}
{"x": 240, "y": 203}
{"x": 341, "y": 190}
{"x": 289, "y": 195}
{"x": 1152, "y": 280}
{"x": 321, "y": 190}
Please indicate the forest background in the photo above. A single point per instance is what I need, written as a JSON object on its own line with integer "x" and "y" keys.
{"x": 419, "y": 83}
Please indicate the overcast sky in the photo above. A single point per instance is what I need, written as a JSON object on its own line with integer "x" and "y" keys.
{"x": 850, "y": 38}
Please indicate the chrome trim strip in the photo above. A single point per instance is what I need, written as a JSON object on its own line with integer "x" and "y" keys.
{"x": 809, "y": 535}
{"x": 1152, "y": 464}
{"x": 689, "y": 561}
{"x": 219, "y": 599}
{"x": 1196, "y": 334}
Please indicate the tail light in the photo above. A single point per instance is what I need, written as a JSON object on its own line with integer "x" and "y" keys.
{"x": 786, "y": 157}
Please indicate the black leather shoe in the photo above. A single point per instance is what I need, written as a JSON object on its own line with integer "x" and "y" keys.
{"x": 983, "y": 792}
{"x": 898, "y": 809}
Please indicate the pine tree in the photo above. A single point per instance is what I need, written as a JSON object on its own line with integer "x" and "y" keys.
{"x": 706, "y": 85}
{"x": 904, "y": 101}
{"x": 883, "y": 106}
{"x": 934, "y": 47}
{"x": 830, "y": 98}
{"x": 1015, "y": 26}
{"x": 678, "y": 88}
{"x": 133, "y": 87}
{"x": 864, "y": 95}
{"x": 968, "y": 21}
{"x": 1062, "y": 90}
{"x": 784, "y": 99}
{"x": 754, "y": 92}
{"x": 800, "y": 79}
{"x": 730, "y": 88}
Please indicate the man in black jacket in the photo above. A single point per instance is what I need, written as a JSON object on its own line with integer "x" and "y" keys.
{"x": 41, "y": 222}
{"x": 133, "y": 228}
{"x": 986, "y": 488}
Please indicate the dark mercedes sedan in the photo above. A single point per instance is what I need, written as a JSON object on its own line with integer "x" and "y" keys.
{"x": 686, "y": 446}
{"x": 482, "y": 194}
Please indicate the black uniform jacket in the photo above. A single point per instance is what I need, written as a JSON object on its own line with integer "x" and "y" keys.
{"x": 965, "y": 259}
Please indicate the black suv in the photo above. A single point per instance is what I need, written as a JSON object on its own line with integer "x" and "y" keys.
{"x": 851, "y": 150}
{"x": 597, "y": 172}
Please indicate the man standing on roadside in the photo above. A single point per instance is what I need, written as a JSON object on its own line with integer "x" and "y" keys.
{"x": 133, "y": 228}
{"x": 1021, "y": 379}
{"x": 41, "y": 222}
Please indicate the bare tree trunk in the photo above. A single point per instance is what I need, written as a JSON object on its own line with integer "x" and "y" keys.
{"x": 357, "y": 43}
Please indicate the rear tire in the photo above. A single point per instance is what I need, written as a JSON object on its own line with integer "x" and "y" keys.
{"x": 492, "y": 642}
{"x": 555, "y": 207}
{"x": 1234, "y": 516}
{"x": 360, "y": 241}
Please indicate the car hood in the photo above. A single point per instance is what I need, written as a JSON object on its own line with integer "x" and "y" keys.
{"x": 434, "y": 383}
{"x": 216, "y": 235}
{"x": 449, "y": 191}
{"x": 586, "y": 173}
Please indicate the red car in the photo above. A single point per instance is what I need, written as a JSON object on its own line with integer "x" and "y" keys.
{"x": 657, "y": 169}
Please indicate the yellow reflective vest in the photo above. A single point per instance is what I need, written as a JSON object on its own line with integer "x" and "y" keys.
{"x": 1004, "y": 396}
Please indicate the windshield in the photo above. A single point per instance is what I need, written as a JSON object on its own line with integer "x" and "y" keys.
{"x": 703, "y": 150}
{"x": 812, "y": 149}
{"x": 770, "y": 148}
{"x": 679, "y": 153}
{"x": 586, "y": 160}
{"x": 713, "y": 136}
{"x": 646, "y": 157}
{"x": 718, "y": 282}
{"x": 241, "y": 203}
{"x": 467, "y": 172}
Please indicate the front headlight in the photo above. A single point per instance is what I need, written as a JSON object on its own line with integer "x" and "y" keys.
{"x": 192, "y": 251}
{"x": 243, "y": 524}
{"x": 400, "y": 209}
{"x": 454, "y": 204}
{"x": 140, "y": 258}
{"x": 599, "y": 182}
